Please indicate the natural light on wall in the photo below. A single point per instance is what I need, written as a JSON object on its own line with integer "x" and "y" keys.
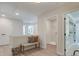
{"x": 23, "y": 29}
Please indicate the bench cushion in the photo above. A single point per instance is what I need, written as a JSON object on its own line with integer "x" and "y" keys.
{"x": 28, "y": 44}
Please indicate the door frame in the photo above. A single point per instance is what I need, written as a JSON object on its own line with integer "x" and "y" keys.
{"x": 56, "y": 19}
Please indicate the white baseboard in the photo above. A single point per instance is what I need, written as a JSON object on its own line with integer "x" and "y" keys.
{"x": 52, "y": 43}
{"x": 60, "y": 54}
{"x": 43, "y": 46}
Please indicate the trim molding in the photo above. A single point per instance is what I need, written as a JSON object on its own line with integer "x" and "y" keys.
{"x": 60, "y": 54}
{"x": 52, "y": 43}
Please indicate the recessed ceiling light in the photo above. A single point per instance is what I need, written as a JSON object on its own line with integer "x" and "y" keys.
{"x": 3, "y": 15}
{"x": 37, "y": 2}
{"x": 17, "y": 13}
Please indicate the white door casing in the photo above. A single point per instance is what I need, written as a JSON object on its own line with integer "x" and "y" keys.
{"x": 52, "y": 30}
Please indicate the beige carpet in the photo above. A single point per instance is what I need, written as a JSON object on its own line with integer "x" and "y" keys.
{"x": 49, "y": 51}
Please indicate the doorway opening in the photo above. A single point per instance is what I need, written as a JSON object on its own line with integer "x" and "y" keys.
{"x": 52, "y": 36}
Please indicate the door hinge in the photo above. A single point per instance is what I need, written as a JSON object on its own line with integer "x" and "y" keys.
{"x": 65, "y": 34}
{"x": 74, "y": 40}
{"x": 64, "y": 49}
{"x": 74, "y": 32}
{"x": 64, "y": 18}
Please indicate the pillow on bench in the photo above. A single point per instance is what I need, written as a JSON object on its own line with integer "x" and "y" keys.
{"x": 32, "y": 39}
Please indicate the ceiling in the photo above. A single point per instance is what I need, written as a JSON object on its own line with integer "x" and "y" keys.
{"x": 27, "y": 10}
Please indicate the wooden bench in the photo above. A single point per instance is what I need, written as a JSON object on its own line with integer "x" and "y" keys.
{"x": 33, "y": 41}
{"x": 21, "y": 43}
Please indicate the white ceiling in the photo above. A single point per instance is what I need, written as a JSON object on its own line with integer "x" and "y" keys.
{"x": 27, "y": 10}
{"x": 35, "y": 8}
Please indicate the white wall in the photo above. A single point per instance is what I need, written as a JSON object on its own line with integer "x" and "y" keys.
{"x": 17, "y": 27}
{"x": 60, "y": 16}
{"x": 10, "y": 27}
{"x": 5, "y": 26}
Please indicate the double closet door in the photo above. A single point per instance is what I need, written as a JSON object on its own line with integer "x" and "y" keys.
{"x": 69, "y": 34}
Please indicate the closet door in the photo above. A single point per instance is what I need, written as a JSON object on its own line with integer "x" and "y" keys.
{"x": 69, "y": 34}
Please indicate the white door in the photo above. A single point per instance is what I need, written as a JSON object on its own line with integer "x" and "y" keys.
{"x": 69, "y": 34}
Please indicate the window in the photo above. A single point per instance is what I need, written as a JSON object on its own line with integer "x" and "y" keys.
{"x": 29, "y": 29}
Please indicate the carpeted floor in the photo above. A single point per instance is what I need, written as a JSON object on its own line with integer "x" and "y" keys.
{"x": 49, "y": 51}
